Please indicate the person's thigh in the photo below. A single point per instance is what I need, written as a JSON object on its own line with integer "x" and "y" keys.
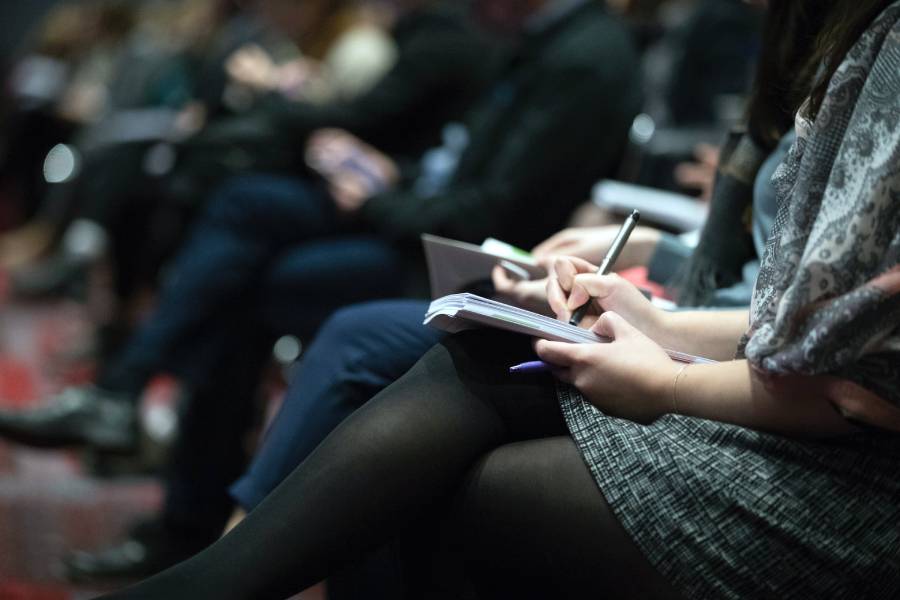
{"x": 532, "y": 523}
{"x": 276, "y": 208}
{"x": 358, "y": 352}
{"x": 216, "y": 277}
{"x": 309, "y": 281}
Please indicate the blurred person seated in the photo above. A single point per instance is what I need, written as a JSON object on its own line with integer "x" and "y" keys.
{"x": 345, "y": 48}
{"x": 697, "y": 64}
{"x": 697, "y": 71}
{"x": 138, "y": 86}
{"x": 168, "y": 59}
{"x": 363, "y": 348}
{"x": 55, "y": 85}
{"x": 292, "y": 250}
{"x": 467, "y": 459}
{"x": 705, "y": 59}
{"x": 442, "y": 65}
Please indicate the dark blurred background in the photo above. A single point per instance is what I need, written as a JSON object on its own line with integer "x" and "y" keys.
{"x": 118, "y": 116}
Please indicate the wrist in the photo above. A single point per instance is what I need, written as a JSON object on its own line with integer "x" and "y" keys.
{"x": 665, "y": 388}
{"x": 660, "y": 326}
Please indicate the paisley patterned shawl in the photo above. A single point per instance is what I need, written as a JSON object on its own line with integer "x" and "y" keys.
{"x": 827, "y": 301}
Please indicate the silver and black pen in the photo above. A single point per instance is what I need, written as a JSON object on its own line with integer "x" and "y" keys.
{"x": 609, "y": 260}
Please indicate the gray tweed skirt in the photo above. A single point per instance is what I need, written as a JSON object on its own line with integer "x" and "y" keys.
{"x": 727, "y": 512}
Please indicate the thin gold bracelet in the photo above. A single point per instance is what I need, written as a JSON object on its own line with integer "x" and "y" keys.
{"x": 675, "y": 388}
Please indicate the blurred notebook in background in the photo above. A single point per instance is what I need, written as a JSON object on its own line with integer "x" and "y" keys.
{"x": 674, "y": 211}
{"x": 456, "y": 266}
{"x": 459, "y": 312}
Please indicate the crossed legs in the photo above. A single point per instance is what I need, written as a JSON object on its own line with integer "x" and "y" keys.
{"x": 456, "y": 431}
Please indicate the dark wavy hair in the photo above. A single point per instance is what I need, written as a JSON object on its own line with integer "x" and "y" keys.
{"x": 804, "y": 42}
{"x": 846, "y": 24}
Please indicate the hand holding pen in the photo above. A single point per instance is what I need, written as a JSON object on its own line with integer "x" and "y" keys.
{"x": 577, "y": 281}
{"x": 577, "y": 284}
{"x": 615, "y": 249}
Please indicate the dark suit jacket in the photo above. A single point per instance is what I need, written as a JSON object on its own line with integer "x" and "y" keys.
{"x": 443, "y": 65}
{"x": 551, "y": 125}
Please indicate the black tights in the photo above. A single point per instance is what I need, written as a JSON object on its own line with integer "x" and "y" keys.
{"x": 457, "y": 432}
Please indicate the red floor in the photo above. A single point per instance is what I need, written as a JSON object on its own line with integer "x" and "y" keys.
{"x": 49, "y": 502}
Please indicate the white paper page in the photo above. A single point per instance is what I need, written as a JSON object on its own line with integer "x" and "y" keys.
{"x": 448, "y": 313}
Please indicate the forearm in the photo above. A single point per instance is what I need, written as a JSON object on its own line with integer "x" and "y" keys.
{"x": 710, "y": 333}
{"x": 732, "y": 392}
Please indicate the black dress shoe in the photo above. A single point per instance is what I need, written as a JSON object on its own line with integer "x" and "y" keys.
{"x": 79, "y": 416}
{"x": 150, "y": 548}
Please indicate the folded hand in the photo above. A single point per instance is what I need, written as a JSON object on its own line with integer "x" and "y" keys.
{"x": 354, "y": 170}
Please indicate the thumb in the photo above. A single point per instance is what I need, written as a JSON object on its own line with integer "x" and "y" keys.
{"x": 559, "y": 354}
{"x": 614, "y": 326}
{"x": 503, "y": 283}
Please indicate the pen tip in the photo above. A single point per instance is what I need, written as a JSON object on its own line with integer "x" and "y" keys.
{"x": 636, "y": 215}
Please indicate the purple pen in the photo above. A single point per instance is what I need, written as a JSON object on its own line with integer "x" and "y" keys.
{"x": 534, "y": 366}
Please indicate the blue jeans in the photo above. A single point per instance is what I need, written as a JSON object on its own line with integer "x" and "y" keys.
{"x": 210, "y": 451}
{"x": 269, "y": 257}
{"x": 358, "y": 352}
{"x": 261, "y": 237}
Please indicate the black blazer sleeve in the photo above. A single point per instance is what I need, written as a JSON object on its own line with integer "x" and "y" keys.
{"x": 557, "y": 139}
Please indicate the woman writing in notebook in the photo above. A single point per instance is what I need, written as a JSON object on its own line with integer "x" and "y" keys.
{"x": 625, "y": 474}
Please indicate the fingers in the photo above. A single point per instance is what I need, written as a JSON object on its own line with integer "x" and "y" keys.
{"x": 251, "y": 65}
{"x": 693, "y": 175}
{"x": 559, "y": 285}
{"x": 563, "y": 247}
{"x": 567, "y": 268}
{"x": 707, "y": 154}
{"x": 564, "y": 272}
{"x": 571, "y": 362}
{"x": 502, "y": 282}
{"x": 559, "y": 354}
{"x": 614, "y": 326}
{"x": 325, "y": 138}
{"x": 557, "y": 299}
{"x": 568, "y": 242}
{"x": 319, "y": 148}
{"x": 587, "y": 286}
{"x": 545, "y": 260}
{"x": 551, "y": 244}
{"x": 349, "y": 192}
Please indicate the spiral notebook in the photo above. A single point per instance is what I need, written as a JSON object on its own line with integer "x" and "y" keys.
{"x": 459, "y": 312}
